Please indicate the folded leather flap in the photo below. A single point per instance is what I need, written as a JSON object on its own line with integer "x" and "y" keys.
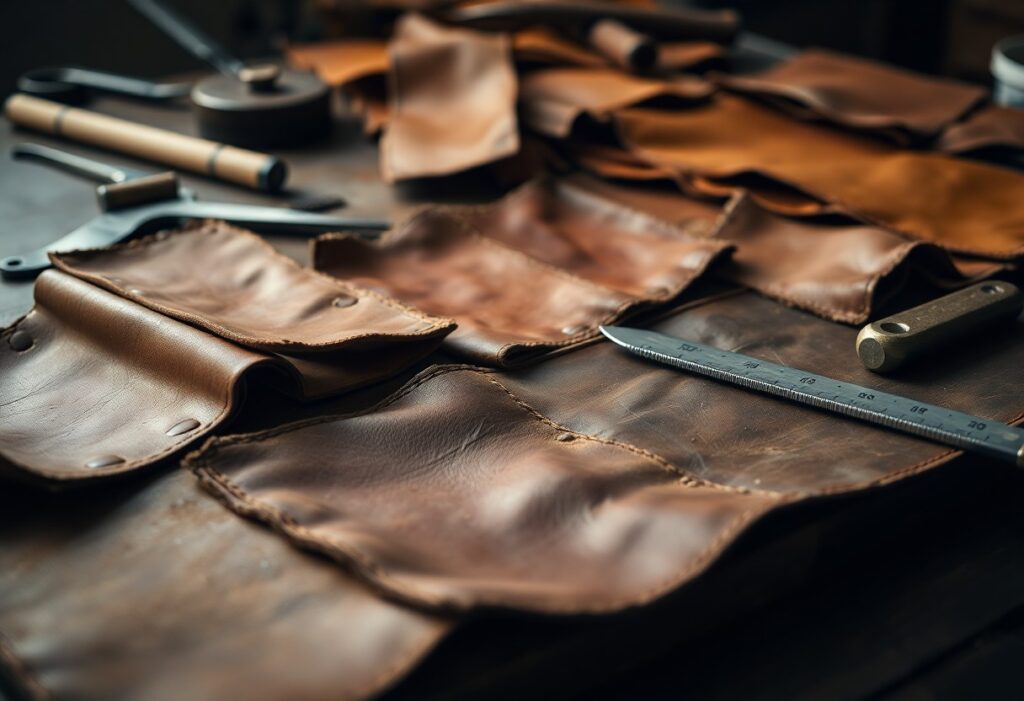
{"x": 536, "y": 272}
{"x": 163, "y": 594}
{"x": 231, "y": 283}
{"x": 453, "y": 493}
{"x": 95, "y": 385}
{"x": 553, "y": 99}
{"x": 842, "y": 271}
{"x": 900, "y": 105}
{"x": 992, "y": 129}
{"x": 442, "y": 76}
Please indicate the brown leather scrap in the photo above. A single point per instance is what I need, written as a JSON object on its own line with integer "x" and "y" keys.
{"x": 155, "y": 591}
{"x": 441, "y": 77}
{"x": 842, "y": 271}
{"x": 453, "y": 493}
{"x": 990, "y": 128}
{"x": 736, "y": 437}
{"x": 874, "y": 98}
{"x": 135, "y": 351}
{"x": 554, "y": 99}
{"x": 534, "y": 273}
{"x": 960, "y": 205}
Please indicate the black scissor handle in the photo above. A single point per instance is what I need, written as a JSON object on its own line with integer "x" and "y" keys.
{"x": 73, "y": 85}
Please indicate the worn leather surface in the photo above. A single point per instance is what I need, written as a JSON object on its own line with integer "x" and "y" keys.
{"x": 536, "y": 272}
{"x": 455, "y": 494}
{"x": 135, "y": 351}
{"x": 990, "y": 128}
{"x": 152, "y": 590}
{"x": 735, "y": 437}
{"x": 961, "y": 205}
{"x": 871, "y": 97}
{"x": 555, "y": 98}
{"x": 843, "y": 270}
{"x": 441, "y": 76}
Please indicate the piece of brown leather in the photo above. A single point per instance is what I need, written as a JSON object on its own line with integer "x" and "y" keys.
{"x": 439, "y": 77}
{"x": 960, "y": 205}
{"x": 689, "y": 55}
{"x": 738, "y": 437}
{"x": 128, "y": 343}
{"x": 555, "y": 98}
{"x": 152, "y": 590}
{"x": 842, "y": 271}
{"x": 537, "y": 272}
{"x": 543, "y": 46}
{"x": 453, "y": 494}
{"x": 874, "y": 98}
{"x": 342, "y": 61}
{"x": 622, "y": 45}
{"x": 990, "y": 128}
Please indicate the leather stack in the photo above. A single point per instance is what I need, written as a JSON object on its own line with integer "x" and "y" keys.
{"x": 426, "y": 426}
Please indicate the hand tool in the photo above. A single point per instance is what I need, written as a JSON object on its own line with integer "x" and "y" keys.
{"x": 888, "y": 343}
{"x": 991, "y": 438}
{"x": 73, "y": 86}
{"x": 134, "y": 203}
{"x": 250, "y": 168}
{"x": 263, "y": 106}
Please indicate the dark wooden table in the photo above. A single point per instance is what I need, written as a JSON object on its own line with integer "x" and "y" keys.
{"x": 915, "y": 591}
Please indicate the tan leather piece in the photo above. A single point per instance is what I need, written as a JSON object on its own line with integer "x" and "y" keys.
{"x": 871, "y": 97}
{"x": 155, "y": 591}
{"x": 660, "y": 200}
{"x": 960, "y": 205}
{"x": 842, "y": 271}
{"x": 688, "y": 55}
{"x": 106, "y": 379}
{"x": 441, "y": 76}
{"x": 454, "y": 494}
{"x": 232, "y": 283}
{"x": 536, "y": 272}
{"x": 737, "y": 437}
{"x": 553, "y": 99}
{"x": 541, "y": 45}
{"x": 341, "y": 62}
{"x": 133, "y": 352}
{"x": 991, "y": 127}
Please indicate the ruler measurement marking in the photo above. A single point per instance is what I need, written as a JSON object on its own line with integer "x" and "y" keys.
{"x": 908, "y": 415}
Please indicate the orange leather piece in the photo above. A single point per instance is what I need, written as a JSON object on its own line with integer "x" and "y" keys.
{"x": 440, "y": 77}
{"x": 843, "y": 271}
{"x": 454, "y": 494}
{"x": 963, "y": 206}
{"x": 341, "y": 62}
{"x": 536, "y": 272}
{"x": 870, "y": 97}
{"x": 553, "y": 99}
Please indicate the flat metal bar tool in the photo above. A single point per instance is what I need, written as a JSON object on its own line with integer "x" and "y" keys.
{"x": 947, "y": 426}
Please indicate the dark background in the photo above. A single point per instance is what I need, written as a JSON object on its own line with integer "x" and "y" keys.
{"x": 952, "y": 37}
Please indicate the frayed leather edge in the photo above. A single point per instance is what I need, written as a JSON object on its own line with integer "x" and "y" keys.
{"x": 238, "y": 500}
{"x": 19, "y": 673}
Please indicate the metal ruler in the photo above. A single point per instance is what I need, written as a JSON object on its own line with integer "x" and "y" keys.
{"x": 947, "y": 426}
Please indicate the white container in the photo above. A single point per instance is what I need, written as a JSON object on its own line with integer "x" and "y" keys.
{"x": 1008, "y": 69}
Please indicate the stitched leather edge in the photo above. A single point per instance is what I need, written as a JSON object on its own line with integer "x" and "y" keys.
{"x": 238, "y": 500}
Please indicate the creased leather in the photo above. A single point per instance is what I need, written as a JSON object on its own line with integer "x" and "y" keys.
{"x": 440, "y": 77}
{"x": 454, "y": 494}
{"x": 961, "y": 205}
{"x": 555, "y": 98}
{"x": 689, "y": 55}
{"x": 157, "y": 592}
{"x": 991, "y": 128}
{"x": 842, "y": 271}
{"x": 874, "y": 98}
{"x": 536, "y": 272}
{"x": 128, "y": 342}
{"x": 741, "y": 438}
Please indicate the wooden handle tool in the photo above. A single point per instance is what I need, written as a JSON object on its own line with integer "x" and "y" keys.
{"x": 252, "y": 169}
